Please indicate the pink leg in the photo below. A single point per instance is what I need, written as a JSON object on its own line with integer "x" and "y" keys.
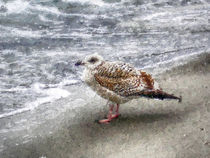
{"x": 117, "y": 109}
{"x": 109, "y": 116}
{"x": 116, "y": 112}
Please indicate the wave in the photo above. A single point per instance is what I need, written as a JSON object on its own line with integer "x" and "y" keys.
{"x": 24, "y": 6}
{"x": 16, "y": 6}
{"x": 163, "y": 66}
{"x": 91, "y": 2}
{"x": 45, "y": 9}
{"x": 51, "y": 93}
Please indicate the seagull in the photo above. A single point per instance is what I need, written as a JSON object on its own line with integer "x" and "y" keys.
{"x": 119, "y": 82}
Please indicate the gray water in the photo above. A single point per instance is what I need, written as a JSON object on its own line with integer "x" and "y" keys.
{"x": 41, "y": 40}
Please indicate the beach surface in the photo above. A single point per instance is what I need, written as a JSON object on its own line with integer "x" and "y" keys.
{"x": 146, "y": 128}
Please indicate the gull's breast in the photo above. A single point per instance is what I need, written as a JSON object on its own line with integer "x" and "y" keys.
{"x": 105, "y": 93}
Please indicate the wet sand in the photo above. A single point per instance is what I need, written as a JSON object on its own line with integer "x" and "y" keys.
{"x": 145, "y": 129}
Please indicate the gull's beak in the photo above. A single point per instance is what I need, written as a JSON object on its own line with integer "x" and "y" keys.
{"x": 78, "y": 63}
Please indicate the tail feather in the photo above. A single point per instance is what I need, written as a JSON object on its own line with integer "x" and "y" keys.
{"x": 159, "y": 94}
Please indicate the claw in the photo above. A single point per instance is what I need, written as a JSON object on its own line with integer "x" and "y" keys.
{"x": 104, "y": 121}
{"x": 115, "y": 116}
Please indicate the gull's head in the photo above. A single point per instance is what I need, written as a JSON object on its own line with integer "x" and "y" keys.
{"x": 90, "y": 61}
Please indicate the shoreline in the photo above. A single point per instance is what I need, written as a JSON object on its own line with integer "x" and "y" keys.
{"x": 146, "y": 128}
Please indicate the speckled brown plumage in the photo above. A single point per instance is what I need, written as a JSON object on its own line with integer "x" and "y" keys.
{"x": 147, "y": 79}
{"x": 123, "y": 79}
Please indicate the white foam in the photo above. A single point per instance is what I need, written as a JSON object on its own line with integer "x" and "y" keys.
{"x": 45, "y": 19}
{"x": 68, "y": 82}
{"x": 81, "y": 35}
{"x": 51, "y": 94}
{"x": 15, "y": 32}
{"x": 25, "y": 33}
{"x": 16, "y": 89}
{"x": 180, "y": 60}
{"x": 48, "y": 9}
{"x": 155, "y": 15}
{"x": 74, "y": 34}
{"x": 54, "y": 93}
{"x": 17, "y": 6}
{"x": 93, "y": 2}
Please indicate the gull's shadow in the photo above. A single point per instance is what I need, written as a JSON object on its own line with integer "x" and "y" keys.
{"x": 140, "y": 118}
{"x": 147, "y": 117}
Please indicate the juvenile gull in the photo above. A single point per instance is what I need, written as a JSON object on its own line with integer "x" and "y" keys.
{"x": 119, "y": 83}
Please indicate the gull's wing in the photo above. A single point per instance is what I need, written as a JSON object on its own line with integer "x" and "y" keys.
{"x": 122, "y": 78}
{"x": 116, "y": 70}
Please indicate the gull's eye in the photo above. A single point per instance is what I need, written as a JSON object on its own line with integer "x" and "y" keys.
{"x": 93, "y": 60}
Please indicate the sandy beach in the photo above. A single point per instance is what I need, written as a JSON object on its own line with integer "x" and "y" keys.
{"x": 145, "y": 129}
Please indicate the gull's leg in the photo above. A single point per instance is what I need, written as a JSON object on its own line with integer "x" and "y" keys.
{"x": 109, "y": 116}
{"x": 117, "y": 109}
{"x": 117, "y": 114}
